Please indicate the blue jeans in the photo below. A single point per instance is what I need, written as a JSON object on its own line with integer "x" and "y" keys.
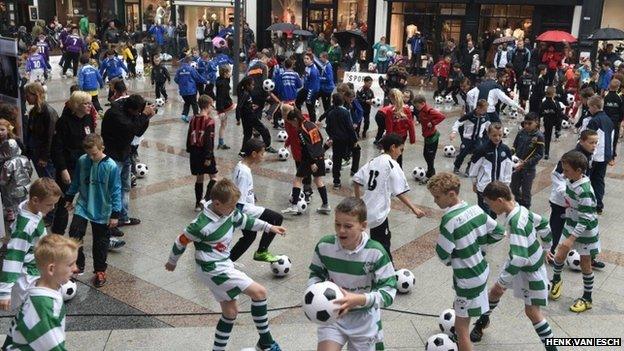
{"x": 124, "y": 166}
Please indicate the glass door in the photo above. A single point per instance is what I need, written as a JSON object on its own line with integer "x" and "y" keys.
{"x": 132, "y": 15}
{"x": 321, "y": 18}
{"x": 449, "y": 28}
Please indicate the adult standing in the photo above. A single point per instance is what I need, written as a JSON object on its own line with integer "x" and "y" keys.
{"x": 74, "y": 46}
{"x": 200, "y": 35}
{"x": 381, "y": 55}
{"x": 319, "y": 45}
{"x": 520, "y": 59}
{"x": 111, "y": 35}
{"x": 467, "y": 60}
{"x": 608, "y": 55}
{"x": 181, "y": 33}
{"x": 248, "y": 36}
{"x": 335, "y": 55}
{"x": 416, "y": 47}
{"x": 41, "y": 121}
{"x": 552, "y": 59}
{"x": 491, "y": 91}
{"x": 158, "y": 32}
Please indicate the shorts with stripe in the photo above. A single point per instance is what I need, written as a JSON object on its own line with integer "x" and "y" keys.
{"x": 224, "y": 281}
{"x": 592, "y": 249}
{"x": 475, "y": 307}
{"x": 532, "y": 287}
{"x": 360, "y": 330}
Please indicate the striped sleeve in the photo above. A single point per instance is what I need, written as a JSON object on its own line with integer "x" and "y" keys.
{"x": 18, "y": 246}
{"x": 40, "y": 327}
{"x": 191, "y": 233}
{"x": 586, "y": 212}
{"x": 384, "y": 285}
{"x": 318, "y": 271}
{"x": 495, "y": 232}
{"x": 250, "y": 223}
{"x": 445, "y": 245}
{"x": 542, "y": 227}
{"x": 518, "y": 255}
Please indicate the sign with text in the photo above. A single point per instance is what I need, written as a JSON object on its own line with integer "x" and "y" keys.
{"x": 357, "y": 79}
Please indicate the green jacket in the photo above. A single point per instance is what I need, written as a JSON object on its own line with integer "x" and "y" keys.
{"x": 319, "y": 46}
{"x": 84, "y": 26}
{"x": 335, "y": 54}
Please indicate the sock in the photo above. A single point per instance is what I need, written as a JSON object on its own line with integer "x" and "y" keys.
{"x": 211, "y": 183}
{"x": 543, "y": 330}
{"x": 222, "y": 333}
{"x": 261, "y": 319}
{"x": 295, "y": 195}
{"x": 199, "y": 191}
{"x": 323, "y": 192}
{"x": 493, "y": 305}
{"x": 307, "y": 189}
{"x": 220, "y": 141}
{"x": 588, "y": 285}
{"x": 557, "y": 268}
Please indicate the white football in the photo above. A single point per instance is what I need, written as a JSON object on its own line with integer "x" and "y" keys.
{"x": 440, "y": 342}
{"x": 318, "y": 302}
{"x": 282, "y": 135}
{"x": 69, "y": 289}
{"x": 281, "y": 267}
{"x": 449, "y": 150}
{"x": 377, "y": 101}
{"x": 302, "y": 205}
{"x": 405, "y": 280}
{"x": 439, "y": 99}
{"x": 160, "y": 102}
{"x": 268, "y": 85}
{"x": 513, "y": 114}
{"x": 280, "y": 123}
{"x": 574, "y": 260}
{"x": 283, "y": 154}
{"x": 419, "y": 173}
{"x": 448, "y": 99}
{"x": 328, "y": 165}
{"x": 194, "y": 64}
{"x": 317, "y": 103}
{"x": 565, "y": 124}
{"x": 505, "y": 132}
{"x": 446, "y": 322}
{"x": 516, "y": 160}
{"x": 570, "y": 98}
{"x": 141, "y": 170}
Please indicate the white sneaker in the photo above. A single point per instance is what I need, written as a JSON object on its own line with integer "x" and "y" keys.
{"x": 292, "y": 210}
{"x": 324, "y": 209}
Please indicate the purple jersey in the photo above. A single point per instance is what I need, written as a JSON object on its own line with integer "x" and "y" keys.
{"x": 35, "y": 61}
{"x": 43, "y": 48}
{"x": 73, "y": 43}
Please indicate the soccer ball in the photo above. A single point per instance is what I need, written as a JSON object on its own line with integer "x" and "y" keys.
{"x": 328, "y": 165}
{"x": 302, "y": 205}
{"x": 446, "y": 322}
{"x": 565, "y": 124}
{"x": 516, "y": 160}
{"x": 283, "y": 154}
{"x": 448, "y": 99}
{"x": 561, "y": 105}
{"x": 419, "y": 173}
{"x": 440, "y": 342}
{"x": 141, "y": 170}
{"x": 282, "y": 135}
{"x": 405, "y": 280}
{"x": 513, "y": 114}
{"x": 439, "y": 99}
{"x": 574, "y": 260}
{"x": 318, "y": 302}
{"x": 281, "y": 267}
{"x": 505, "y": 132}
{"x": 570, "y": 98}
{"x": 377, "y": 101}
{"x": 268, "y": 85}
{"x": 194, "y": 64}
{"x": 280, "y": 123}
{"x": 449, "y": 150}
{"x": 69, "y": 289}
{"x": 317, "y": 103}
{"x": 160, "y": 102}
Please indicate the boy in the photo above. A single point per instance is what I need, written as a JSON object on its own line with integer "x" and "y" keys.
{"x": 552, "y": 115}
{"x": 383, "y": 178}
{"x": 429, "y": 118}
{"x": 473, "y": 125}
{"x": 537, "y": 93}
{"x": 211, "y": 232}
{"x": 528, "y": 146}
{"x": 187, "y": 79}
{"x": 466, "y": 229}
{"x": 490, "y": 162}
{"x": 159, "y": 76}
{"x": 224, "y": 102}
{"x": 36, "y": 66}
{"x": 90, "y": 80}
{"x": 524, "y": 270}
{"x": 365, "y": 97}
{"x": 456, "y": 79}
{"x": 614, "y": 108}
{"x": 367, "y": 279}
{"x": 97, "y": 180}
{"x": 606, "y": 73}
{"x": 40, "y": 323}
{"x": 524, "y": 86}
{"x": 341, "y": 135}
{"x": 19, "y": 270}
{"x": 112, "y": 67}
{"x": 441, "y": 70}
{"x": 580, "y": 231}
{"x": 586, "y": 93}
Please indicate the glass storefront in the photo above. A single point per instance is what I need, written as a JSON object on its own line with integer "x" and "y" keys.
{"x": 352, "y": 14}
{"x": 289, "y": 11}
{"x": 508, "y": 20}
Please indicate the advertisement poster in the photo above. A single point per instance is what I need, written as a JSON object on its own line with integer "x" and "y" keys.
{"x": 9, "y": 78}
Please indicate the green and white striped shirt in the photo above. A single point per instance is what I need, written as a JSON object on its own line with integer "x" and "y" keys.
{"x": 581, "y": 220}
{"x": 40, "y": 322}
{"x": 366, "y": 270}
{"x": 27, "y": 229}
{"x": 212, "y": 234}
{"x": 464, "y": 229}
{"x": 525, "y": 252}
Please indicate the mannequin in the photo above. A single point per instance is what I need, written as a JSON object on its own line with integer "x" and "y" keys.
{"x": 160, "y": 14}
{"x": 415, "y": 48}
{"x": 411, "y": 31}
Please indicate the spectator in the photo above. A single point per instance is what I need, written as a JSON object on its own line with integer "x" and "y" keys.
{"x": 41, "y": 121}
{"x": 319, "y": 45}
{"x": 382, "y": 51}
{"x": 111, "y": 35}
{"x": 467, "y": 59}
{"x": 335, "y": 56}
{"x": 608, "y": 55}
{"x": 520, "y": 58}
{"x": 200, "y": 35}
{"x": 248, "y": 36}
{"x": 552, "y": 59}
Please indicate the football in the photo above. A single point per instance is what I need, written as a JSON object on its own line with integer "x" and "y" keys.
{"x": 448, "y": 99}
{"x": 449, "y": 151}
{"x": 194, "y": 64}
{"x": 69, "y": 289}
{"x": 302, "y": 205}
{"x": 565, "y": 124}
{"x": 439, "y": 99}
{"x": 515, "y": 160}
{"x": 440, "y": 342}
{"x": 160, "y": 102}
{"x": 318, "y": 302}
{"x": 377, "y": 101}
{"x": 280, "y": 123}
{"x": 570, "y": 98}
{"x": 574, "y": 260}
{"x": 141, "y": 170}
{"x": 419, "y": 173}
{"x": 446, "y": 322}
{"x": 268, "y": 85}
{"x": 283, "y": 154}
{"x": 405, "y": 281}
{"x": 281, "y": 267}
{"x": 505, "y": 132}
{"x": 328, "y": 165}
{"x": 317, "y": 103}
{"x": 282, "y": 135}
{"x": 513, "y": 114}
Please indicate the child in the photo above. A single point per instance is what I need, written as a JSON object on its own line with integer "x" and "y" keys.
{"x": 112, "y": 67}
{"x": 19, "y": 271}
{"x": 365, "y": 96}
{"x": 212, "y": 233}
{"x": 399, "y": 119}
{"x": 382, "y": 178}
{"x": 200, "y": 146}
{"x": 36, "y": 66}
{"x": 473, "y": 126}
{"x": 296, "y": 150}
{"x": 614, "y": 108}
{"x": 90, "y": 80}
{"x": 159, "y": 76}
{"x": 490, "y": 162}
{"x": 187, "y": 79}
{"x": 510, "y": 83}
{"x": 580, "y": 231}
{"x": 586, "y": 93}
{"x": 224, "y": 102}
{"x": 457, "y": 77}
{"x": 253, "y": 155}
{"x": 604, "y": 77}
{"x": 408, "y": 99}
{"x": 367, "y": 279}
{"x": 469, "y": 229}
{"x": 129, "y": 55}
{"x": 428, "y": 118}
{"x": 528, "y": 146}
{"x": 551, "y": 113}
{"x": 99, "y": 202}
{"x": 524, "y": 86}
{"x": 340, "y": 135}
{"x": 524, "y": 270}
{"x": 441, "y": 70}
{"x": 15, "y": 173}
{"x": 40, "y": 322}
{"x": 312, "y": 161}
{"x": 539, "y": 87}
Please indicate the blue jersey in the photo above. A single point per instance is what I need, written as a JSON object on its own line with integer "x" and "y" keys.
{"x": 35, "y": 61}
{"x": 289, "y": 84}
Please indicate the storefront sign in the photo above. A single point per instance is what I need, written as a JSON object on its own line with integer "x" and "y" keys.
{"x": 357, "y": 79}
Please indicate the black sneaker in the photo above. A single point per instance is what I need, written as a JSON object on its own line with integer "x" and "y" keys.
{"x": 456, "y": 170}
{"x": 599, "y": 211}
{"x": 337, "y": 185}
{"x": 270, "y": 150}
{"x": 477, "y": 332}
{"x": 116, "y": 232}
{"x": 597, "y": 264}
{"x": 546, "y": 157}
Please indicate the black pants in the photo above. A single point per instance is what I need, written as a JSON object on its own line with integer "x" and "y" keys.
{"x": 521, "y": 186}
{"x": 366, "y": 121}
{"x": 534, "y": 104}
{"x": 340, "y": 151}
{"x": 201, "y": 89}
{"x": 101, "y": 237}
{"x": 442, "y": 87}
{"x": 302, "y": 96}
{"x": 253, "y": 122}
{"x": 210, "y": 90}
{"x": 557, "y": 220}
{"x": 382, "y": 235}
{"x": 61, "y": 217}
{"x": 548, "y": 130}
{"x": 550, "y": 76}
{"x": 71, "y": 58}
{"x": 429, "y": 153}
{"x": 380, "y": 119}
{"x": 616, "y": 136}
{"x": 96, "y": 103}
{"x": 190, "y": 101}
{"x": 160, "y": 90}
{"x": 597, "y": 174}
{"x": 467, "y": 147}
{"x": 484, "y": 206}
{"x": 131, "y": 67}
{"x": 356, "y": 153}
{"x": 325, "y": 100}
{"x": 249, "y": 236}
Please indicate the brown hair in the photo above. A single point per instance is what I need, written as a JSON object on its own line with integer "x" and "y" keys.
{"x": 494, "y": 126}
{"x": 444, "y": 182}
{"x": 36, "y": 89}
{"x": 575, "y": 159}
{"x": 204, "y": 102}
{"x": 295, "y": 115}
{"x": 92, "y": 140}
{"x": 482, "y": 103}
{"x": 497, "y": 190}
{"x": 9, "y": 126}
{"x": 224, "y": 191}
{"x": 596, "y": 101}
{"x": 44, "y": 188}
{"x": 420, "y": 99}
{"x": 353, "y": 207}
{"x": 587, "y": 133}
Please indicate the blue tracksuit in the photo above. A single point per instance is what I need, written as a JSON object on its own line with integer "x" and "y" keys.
{"x": 312, "y": 81}
{"x": 112, "y": 68}
{"x": 187, "y": 78}
{"x": 327, "y": 78}
{"x": 35, "y": 61}
{"x": 289, "y": 84}
{"x": 357, "y": 112}
{"x": 159, "y": 34}
{"x": 222, "y": 59}
{"x": 89, "y": 79}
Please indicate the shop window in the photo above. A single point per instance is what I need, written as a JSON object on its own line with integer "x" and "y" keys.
{"x": 352, "y": 14}
{"x": 503, "y": 20}
{"x": 453, "y": 9}
{"x": 286, "y": 11}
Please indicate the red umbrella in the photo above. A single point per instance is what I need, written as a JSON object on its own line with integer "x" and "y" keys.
{"x": 556, "y": 36}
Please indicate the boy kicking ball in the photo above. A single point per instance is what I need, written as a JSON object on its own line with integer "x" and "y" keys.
{"x": 464, "y": 231}
{"x": 211, "y": 232}
{"x": 524, "y": 270}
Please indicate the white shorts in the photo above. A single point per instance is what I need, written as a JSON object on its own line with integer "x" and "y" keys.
{"x": 252, "y": 210}
{"x": 475, "y": 307}
{"x": 532, "y": 287}
{"x": 592, "y": 249}
{"x": 359, "y": 329}
{"x": 20, "y": 290}
{"x": 225, "y": 282}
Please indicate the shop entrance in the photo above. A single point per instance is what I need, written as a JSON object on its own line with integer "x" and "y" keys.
{"x": 322, "y": 18}
{"x": 449, "y": 27}
{"x": 132, "y": 16}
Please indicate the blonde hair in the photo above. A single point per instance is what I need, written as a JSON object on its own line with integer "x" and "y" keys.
{"x": 396, "y": 99}
{"x": 443, "y": 183}
{"x": 54, "y": 248}
{"x": 78, "y": 98}
{"x": 36, "y": 89}
{"x": 224, "y": 191}
{"x": 9, "y": 126}
{"x": 44, "y": 188}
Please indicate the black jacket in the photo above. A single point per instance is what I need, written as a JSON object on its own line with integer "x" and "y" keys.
{"x": 244, "y": 108}
{"x": 119, "y": 128}
{"x": 550, "y": 112}
{"x": 340, "y": 125}
{"x": 67, "y": 142}
{"x": 160, "y": 74}
{"x": 614, "y": 107}
{"x": 40, "y": 132}
{"x": 529, "y": 147}
{"x": 223, "y": 93}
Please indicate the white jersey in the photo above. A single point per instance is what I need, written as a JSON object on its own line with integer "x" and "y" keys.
{"x": 382, "y": 178}
{"x": 244, "y": 181}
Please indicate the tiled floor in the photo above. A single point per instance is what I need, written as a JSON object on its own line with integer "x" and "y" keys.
{"x": 164, "y": 201}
